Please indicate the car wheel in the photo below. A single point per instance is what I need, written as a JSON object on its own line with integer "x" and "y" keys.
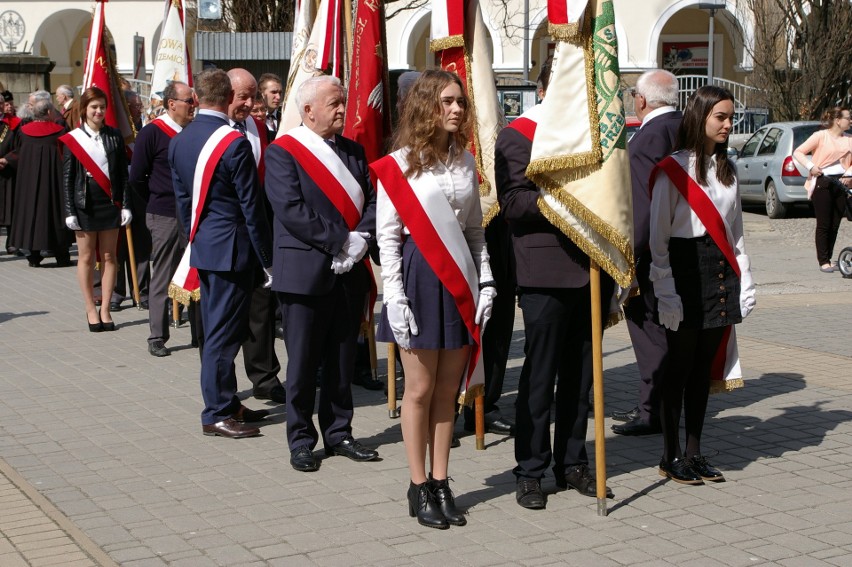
{"x": 844, "y": 262}
{"x": 775, "y": 209}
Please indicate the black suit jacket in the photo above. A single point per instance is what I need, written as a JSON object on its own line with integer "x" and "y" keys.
{"x": 308, "y": 229}
{"x": 74, "y": 183}
{"x": 544, "y": 257}
{"x": 653, "y": 142}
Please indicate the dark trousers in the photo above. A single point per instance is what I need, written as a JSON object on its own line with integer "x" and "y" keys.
{"x": 320, "y": 330}
{"x": 261, "y": 362}
{"x": 224, "y": 311}
{"x": 498, "y": 332}
{"x": 686, "y": 384}
{"x": 167, "y": 247}
{"x": 829, "y": 200}
{"x": 558, "y": 331}
{"x": 649, "y": 343}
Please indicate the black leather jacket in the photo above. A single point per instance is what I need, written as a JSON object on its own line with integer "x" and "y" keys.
{"x": 75, "y": 174}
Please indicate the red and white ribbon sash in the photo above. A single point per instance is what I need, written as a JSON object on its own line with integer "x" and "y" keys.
{"x": 527, "y": 122}
{"x": 427, "y": 215}
{"x": 167, "y": 125}
{"x": 327, "y": 170}
{"x": 91, "y": 155}
{"x": 448, "y": 17}
{"x": 726, "y": 363}
{"x": 562, "y": 12}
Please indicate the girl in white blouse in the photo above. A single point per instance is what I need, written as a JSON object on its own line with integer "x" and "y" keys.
{"x": 435, "y": 273}
{"x": 700, "y": 272}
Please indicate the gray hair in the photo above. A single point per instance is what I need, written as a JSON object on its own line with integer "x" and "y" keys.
{"x": 66, "y": 90}
{"x": 42, "y": 109}
{"x": 307, "y": 92}
{"x": 659, "y": 88}
{"x": 40, "y": 95}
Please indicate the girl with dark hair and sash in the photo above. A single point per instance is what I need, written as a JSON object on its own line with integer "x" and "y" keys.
{"x": 95, "y": 166}
{"x": 438, "y": 288}
{"x": 701, "y": 276}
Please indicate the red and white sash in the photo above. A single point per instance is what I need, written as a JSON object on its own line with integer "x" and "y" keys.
{"x": 167, "y": 125}
{"x": 527, "y": 122}
{"x": 256, "y": 135}
{"x": 427, "y": 215}
{"x": 185, "y": 283}
{"x": 91, "y": 155}
{"x": 726, "y": 373}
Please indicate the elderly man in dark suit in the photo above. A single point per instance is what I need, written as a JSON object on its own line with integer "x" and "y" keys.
{"x": 325, "y": 216}
{"x": 554, "y": 296}
{"x": 228, "y": 234}
{"x": 654, "y": 99}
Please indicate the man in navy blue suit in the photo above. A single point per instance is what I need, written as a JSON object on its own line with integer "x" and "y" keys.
{"x": 325, "y": 219}
{"x": 654, "y": 100}
{"x": 221, "y": 210}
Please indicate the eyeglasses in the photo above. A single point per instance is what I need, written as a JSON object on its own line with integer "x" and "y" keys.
{"x": 634, "y": 93}
{"x": 190, "y": 101}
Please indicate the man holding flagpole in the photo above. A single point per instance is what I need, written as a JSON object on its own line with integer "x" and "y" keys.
{"x": 218, "y": 192}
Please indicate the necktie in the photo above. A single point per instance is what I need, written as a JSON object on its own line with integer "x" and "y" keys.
{"x": 241, "y": 127}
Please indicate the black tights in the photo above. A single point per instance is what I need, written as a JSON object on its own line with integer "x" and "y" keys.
{"x": 687, "y": 383}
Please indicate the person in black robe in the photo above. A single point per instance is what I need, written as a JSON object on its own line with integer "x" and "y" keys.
{"x": 38, "y": 216}
{"x": 7, "y": 179}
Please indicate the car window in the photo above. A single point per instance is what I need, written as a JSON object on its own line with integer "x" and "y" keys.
{"x": 802, "y": 133}
{"x": 770, "y": 142}
{"x": 751, "y": 145}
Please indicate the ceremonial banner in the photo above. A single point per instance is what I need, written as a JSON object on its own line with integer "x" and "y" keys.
{"x": 579, "y": 152}
{"x": 100, "y": 72}
{"x": 311, "y": 60}
{"x": 460, "y": 36}
{"x": 172, "y": 60}
{"x": 367, "y": 111}
{"x": 563, "y": 18}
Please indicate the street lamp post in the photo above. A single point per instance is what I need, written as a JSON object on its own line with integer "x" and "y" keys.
{"x": 712, "y": 7}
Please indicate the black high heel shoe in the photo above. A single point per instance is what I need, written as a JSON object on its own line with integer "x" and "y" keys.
{"x": 446, "y": 502}
{"x": 95, "y": 327}
{"x": 110, "y": 326}
{"x": 421, "y": 503}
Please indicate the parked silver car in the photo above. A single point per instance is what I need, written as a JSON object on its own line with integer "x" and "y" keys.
{"x": 766, "y": 169}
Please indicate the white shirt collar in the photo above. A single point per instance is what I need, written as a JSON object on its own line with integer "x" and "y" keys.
{"x": 215, "y": 113}
{"x": 657, "y": 112}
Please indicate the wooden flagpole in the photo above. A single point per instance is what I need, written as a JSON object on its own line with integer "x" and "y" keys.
{"x": 131, "y": 258}
{"x": 597, "y": 375}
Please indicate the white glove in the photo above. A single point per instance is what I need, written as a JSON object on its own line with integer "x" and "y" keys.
{"x": 126, "y": 217}
{"x": 401, "y": 321}
{"x": 72, "y": 223}
{"x": 747, "y": 303}
{"x": 341, "y": 264}
{"x": 356, "y": 245}
{"x": 484, "y": 306}
{"x": 623, "y": 293}
{"x": 267, "y": 283}
{"x": 670, "y": 310}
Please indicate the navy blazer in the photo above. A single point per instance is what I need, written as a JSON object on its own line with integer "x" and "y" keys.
{"x": 544, "y": 257}
{"x": 653, "y": 142}
{"x": 308, "y": 229}
{"x": 233, "y": 232}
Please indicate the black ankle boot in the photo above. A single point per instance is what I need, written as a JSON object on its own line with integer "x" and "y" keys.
{"x": 446, "y": 502}
{"x": 421, "y": 503}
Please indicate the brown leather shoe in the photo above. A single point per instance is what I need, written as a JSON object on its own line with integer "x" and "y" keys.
{"x": 245, "y": 415}
{"x": 230, "y": 428}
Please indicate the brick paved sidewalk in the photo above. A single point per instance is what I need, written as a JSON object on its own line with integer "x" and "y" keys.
{"x": 108, "y": 437}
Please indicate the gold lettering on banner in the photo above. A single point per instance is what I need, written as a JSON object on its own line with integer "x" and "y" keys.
{"x": 167, "y": 43}
{"x": 373, "y": 5}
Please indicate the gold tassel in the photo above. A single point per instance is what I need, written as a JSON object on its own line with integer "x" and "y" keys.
{"x": 443, "y": 43}
{"x": 183, "y": 296}
{"x": 564, "y": 32}
{"x": 467, "y": 398}
{"x": 722, "y": 386}
{"x": 490, "y": 214}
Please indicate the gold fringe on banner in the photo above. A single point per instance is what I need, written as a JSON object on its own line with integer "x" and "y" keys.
{"x": 467, "y": 398}
{"x": 490, "y": 214}
{"x": 183, "y": 296}
{"x": 723, "y": 386}
{"x": 564, "y": 32}
{"x": 443, "y": 43}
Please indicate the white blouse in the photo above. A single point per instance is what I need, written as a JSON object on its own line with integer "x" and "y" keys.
{"x": 671, "y": 216}
{"x": 457, "y": 180}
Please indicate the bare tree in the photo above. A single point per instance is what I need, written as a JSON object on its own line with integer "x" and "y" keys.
{"x": 249, "y": 16}
{"x": 802, "y": 54}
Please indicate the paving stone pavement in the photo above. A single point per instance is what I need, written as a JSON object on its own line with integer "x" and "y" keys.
{"x": 102, "y": 460}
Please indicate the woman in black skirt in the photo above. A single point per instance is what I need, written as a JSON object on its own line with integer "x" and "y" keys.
{"x": 95, "y": 166}
{"x": 438, "y": 288}
{"x": 700, "y": 272}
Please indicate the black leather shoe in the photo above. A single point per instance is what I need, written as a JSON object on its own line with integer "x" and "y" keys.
{"x": 158, "y": 349}
{"x": 351, "y": 448}
{"x": 365, "y": 380}
{"x": 447, "y": 502}
{"x": 580, "y": 479}
{"x": 679, "y": 471}
{"x": 230, "y": 428}
{"x": 421, "y": 503}
{"x": 302, "y": 459}
{"x": 637, "y": 427}
{"x": 276, "y": 394}
{"x": 456, "y": 442}
{"x": 245, "y": 415}
{"x": 705, "y": 470}
{"x": 626, "y": 415}
{"x": 529, "y": 494}
{"x": 115, "y": 306}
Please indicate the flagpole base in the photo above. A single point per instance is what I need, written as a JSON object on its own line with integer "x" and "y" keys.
{"x": 602, "y": 511}
{"x": 480, "y": 444}
{"x": 394, "y": 413}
